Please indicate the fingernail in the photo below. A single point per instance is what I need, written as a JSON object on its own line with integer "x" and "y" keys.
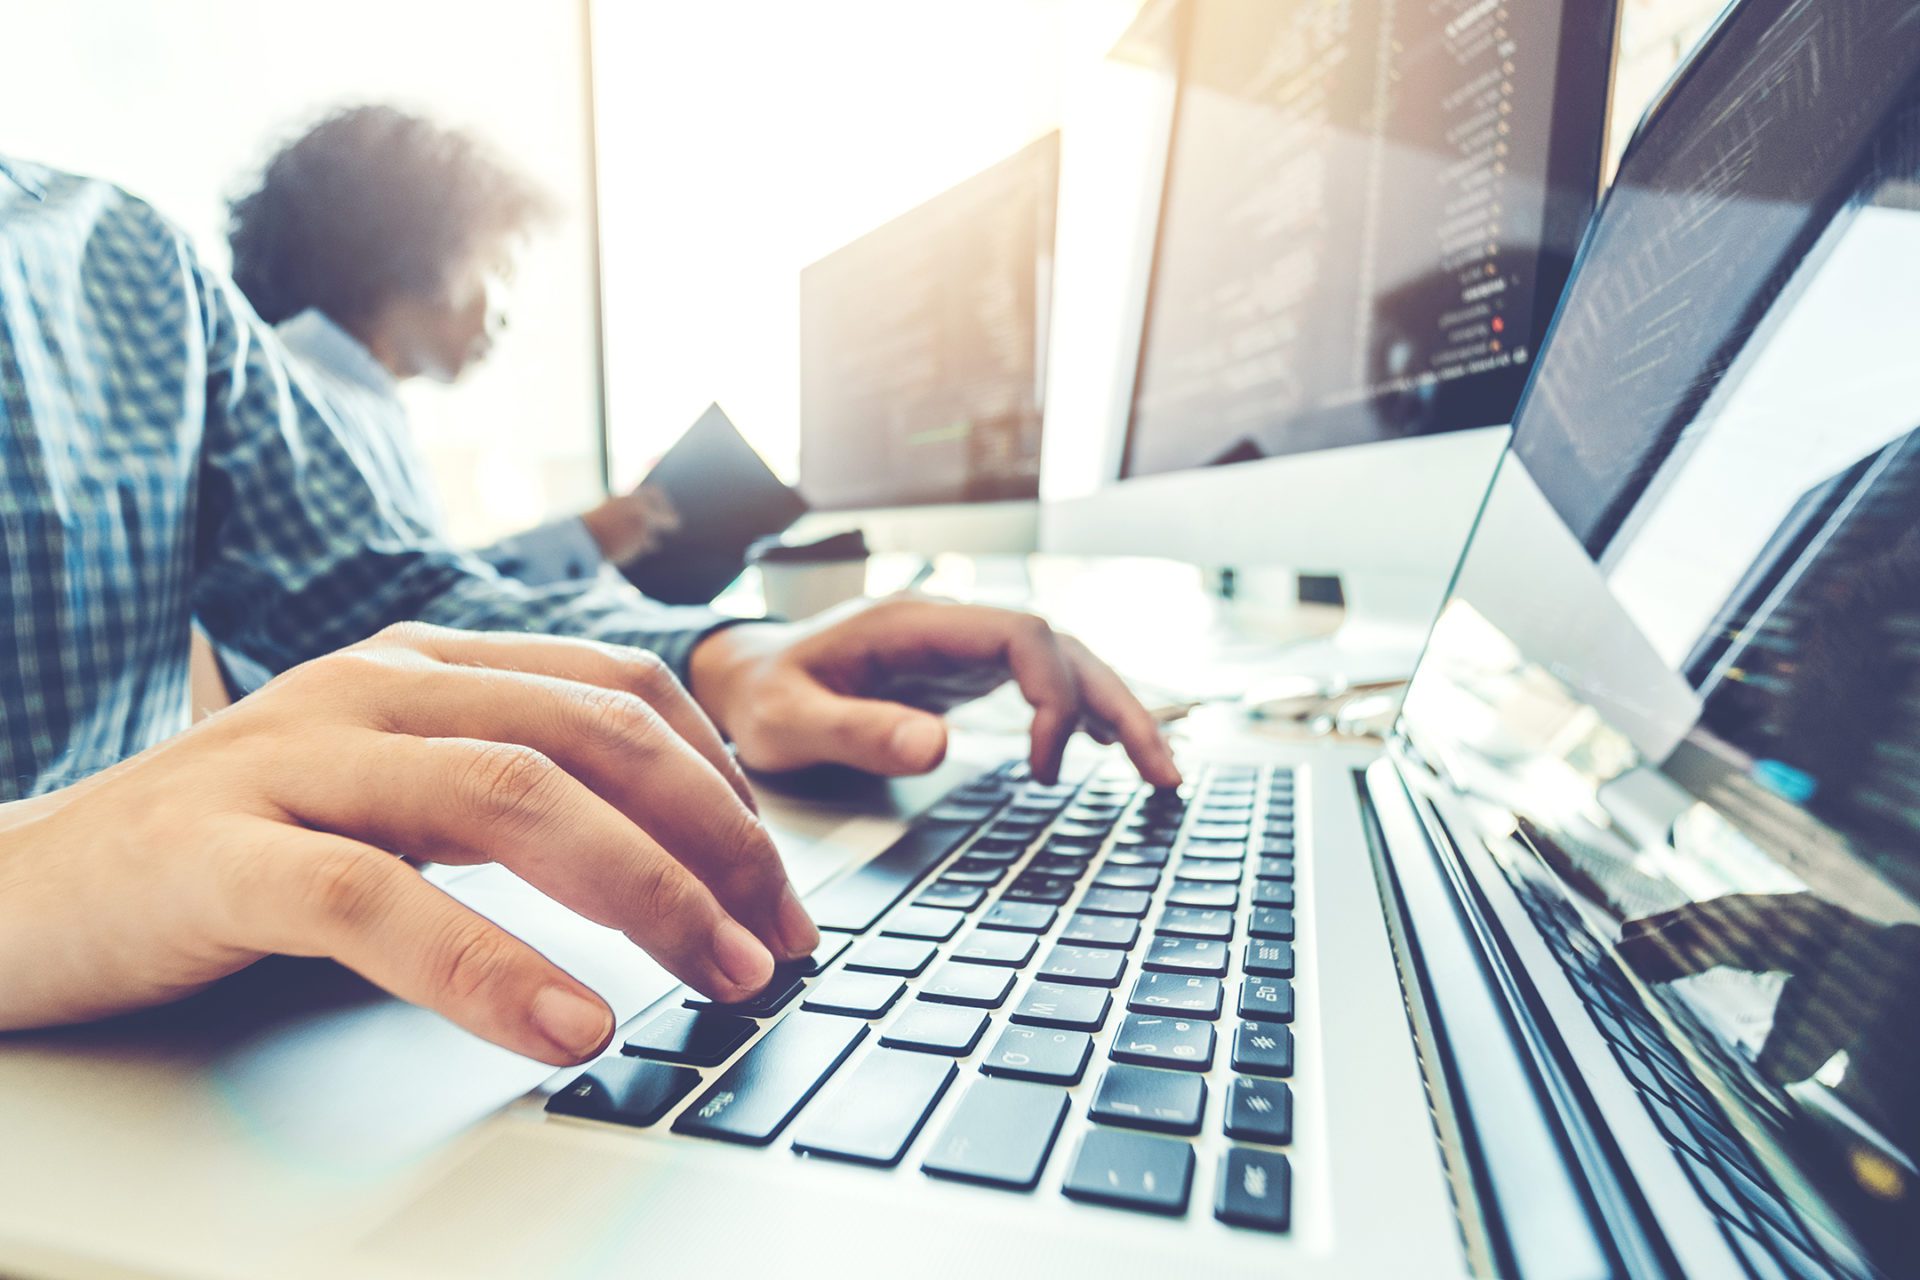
{"x": 918, "y": 742}
{"x": 573, "y": 1024}
{"x": 798, "y": 934}
{"x": 746, "y": 963}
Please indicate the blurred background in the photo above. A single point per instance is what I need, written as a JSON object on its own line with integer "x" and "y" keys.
{"x": 730, "y": 143}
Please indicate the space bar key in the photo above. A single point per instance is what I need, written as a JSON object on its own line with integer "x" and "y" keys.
{"x": 753, "y": 1099}
{"x": 855, "y": 901}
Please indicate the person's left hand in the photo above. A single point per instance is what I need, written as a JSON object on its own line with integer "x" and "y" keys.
{"x": 864, "y": 684}
{"x": 630, "y": 525}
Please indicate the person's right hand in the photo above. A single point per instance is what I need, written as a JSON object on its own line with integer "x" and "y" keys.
{"x": 274, "y": 826}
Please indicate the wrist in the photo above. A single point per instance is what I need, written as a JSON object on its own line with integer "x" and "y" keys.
{"x": 722, "y": 657}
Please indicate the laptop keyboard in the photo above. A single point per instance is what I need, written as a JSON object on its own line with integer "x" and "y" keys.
{"x": 1093, "y": 948}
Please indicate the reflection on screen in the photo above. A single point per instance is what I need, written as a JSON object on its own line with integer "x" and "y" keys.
{"x": 1356, "y": 241}
{"x": 1684, "y": 647}
{"x": 921, "y": 347}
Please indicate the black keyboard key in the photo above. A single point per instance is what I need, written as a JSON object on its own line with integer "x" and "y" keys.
{"x": 996, "y": 946}
{"x": 1022, "y": 917}
{"x": 1204, "y": 828}
{"x": 971, "y": 815}
{"x": 785, "y": 986}
{"x": 924, "y": 922}
{"x": 1182, "y": 1043}
{"x": 1083, "y": 966}
{"x": 1123, "y": 877}
{"x": 1265, "y": 959}
{"x": 1263, "y": 1049}
{"x": 1142, "y": 1098}
{"x": 1132, "y": 1171}
{"x": 999, "y": 848}
{"x": 1194, "y": 893}
{"x": 1212, "y": 851}
{"x": 1189, "y": 996}
{"x": 1260, "y": 1111}
{"x": 1000, "y": 1134}
{"x": 1209, "y": 872}
{"x": 854, "y": 902}
{"x": 958, "y": 897}
{"x": 624, "y": 1091}
{"x": 970, "y": 984}
{"x": 1045, "y": 1055}
{"x": 1053, "y": 864}
{"x": 1253, "y": 1190}
{"x": 1052, "y": 890}
{"x": 1187, "y": 955}
{"x": 1272, "y": 893}
{"x": 1090, "y": 832}
{"x": 1117, "y": 902}
{"x": 903, "y": 956}
{"x": 701, "y": 1037}
{"x": 1275, "y": 845}
{"x": 873, "y": 1114}
{"x": 1115, "y": 932}
{"x": 854, "y": 995}
{"x": 1271, "y": 868}
{"x": 972, "y": 870}
{"x": 1142, "y": 856}
{"x": 1194, "y": 922}
{"x": 1069, "y": 1008}
{"x": 1271, "y": 922}
{"x": 935, "y": 1028}
{"x": 1266, "y": 1000}
{"x": 755, "y": 1097}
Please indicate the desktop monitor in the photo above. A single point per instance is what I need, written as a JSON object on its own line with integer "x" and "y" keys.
{"x": 923, "y": 365}
{"x": 1367, "y": 212}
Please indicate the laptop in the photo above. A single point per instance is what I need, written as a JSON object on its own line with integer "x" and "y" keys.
{"x": 1601, "y": 967}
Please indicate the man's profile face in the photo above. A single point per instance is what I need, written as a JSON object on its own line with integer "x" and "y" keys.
{"x": 448, "y": 334}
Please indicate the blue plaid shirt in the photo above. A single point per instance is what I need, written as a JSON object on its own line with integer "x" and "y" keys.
{"x": 160, "y": 459}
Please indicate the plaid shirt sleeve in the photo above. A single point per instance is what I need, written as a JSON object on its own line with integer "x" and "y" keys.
{"x": 303, "y": 549}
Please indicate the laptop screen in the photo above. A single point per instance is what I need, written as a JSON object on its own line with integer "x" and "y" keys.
{"x": 1681, "y": 658}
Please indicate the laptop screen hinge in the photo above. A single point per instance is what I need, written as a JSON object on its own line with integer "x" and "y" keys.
{"x": 1523, "y": 1207}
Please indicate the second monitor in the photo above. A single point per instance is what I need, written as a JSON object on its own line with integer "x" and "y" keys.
{"x": 923, "y": 350}
{"x": 1367, "y": 213}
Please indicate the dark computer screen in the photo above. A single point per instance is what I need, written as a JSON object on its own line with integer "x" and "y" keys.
{"x": 923, "y": 344}
{"x": 1369, "y": 211}
{"x": 1683, "y": 648}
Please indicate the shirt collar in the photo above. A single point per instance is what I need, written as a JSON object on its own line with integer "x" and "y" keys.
{"x": 23, "y": 176}
{"x": 314, "y": 336}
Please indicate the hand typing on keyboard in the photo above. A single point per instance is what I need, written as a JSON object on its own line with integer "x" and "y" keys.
{"x": 863, "y": 685}
{"x": 272, "y": 827}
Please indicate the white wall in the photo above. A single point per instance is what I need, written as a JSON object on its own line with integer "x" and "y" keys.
{"x": 174, "y": 99}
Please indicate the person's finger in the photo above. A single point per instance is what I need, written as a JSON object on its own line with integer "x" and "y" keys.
{"x": 316, "y": 894}
{"x": 922, "y": 631}
{"x": 610, "y": 666}
{"x": 1047, "y": 682}
{"x": 618, "y": 745}
{"x": 1111, "y": 706}
{"x": 814, "y": 725}
{"x": 460, "y": 800}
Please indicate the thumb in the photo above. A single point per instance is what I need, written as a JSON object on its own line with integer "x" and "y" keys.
{"x": 880, "y": 737}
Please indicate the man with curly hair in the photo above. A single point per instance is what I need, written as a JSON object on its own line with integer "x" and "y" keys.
{"x": 381, "y": 247}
